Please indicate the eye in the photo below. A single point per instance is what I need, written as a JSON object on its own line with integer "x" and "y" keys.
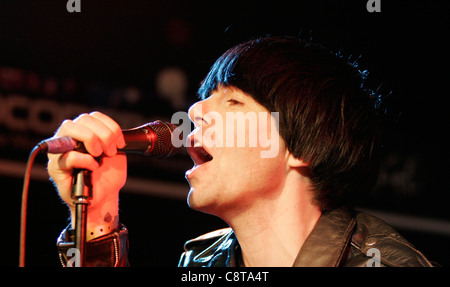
{"x": 233, "y": 102}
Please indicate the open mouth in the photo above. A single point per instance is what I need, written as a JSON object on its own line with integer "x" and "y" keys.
{"x": 198, "y": 154}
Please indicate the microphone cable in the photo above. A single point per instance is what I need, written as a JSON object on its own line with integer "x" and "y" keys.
{"x": 23, "y": 213}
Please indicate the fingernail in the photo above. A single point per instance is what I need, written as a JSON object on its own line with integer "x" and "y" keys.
{"x": 121, "y": 142}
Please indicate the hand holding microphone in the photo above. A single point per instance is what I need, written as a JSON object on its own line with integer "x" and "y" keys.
{"x": 78, "y": 143}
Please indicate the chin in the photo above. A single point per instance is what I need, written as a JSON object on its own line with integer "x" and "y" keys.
{"x": 201, "y": 203}
{"x": 190, "y": 200}
{"x": 193, "y": 201}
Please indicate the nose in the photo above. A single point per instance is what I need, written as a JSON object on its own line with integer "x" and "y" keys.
{"x": 196, "y": 114}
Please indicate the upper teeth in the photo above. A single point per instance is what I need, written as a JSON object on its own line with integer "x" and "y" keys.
{"x": 197, "y": 144}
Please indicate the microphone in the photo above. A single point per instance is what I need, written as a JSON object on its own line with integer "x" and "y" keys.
{"x": 152, "y": 139}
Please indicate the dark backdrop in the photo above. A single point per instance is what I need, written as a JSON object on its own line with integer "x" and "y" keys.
{"x": 54, "y": 63}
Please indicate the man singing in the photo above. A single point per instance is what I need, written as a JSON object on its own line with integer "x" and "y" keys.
{"x": 288, "y": 199}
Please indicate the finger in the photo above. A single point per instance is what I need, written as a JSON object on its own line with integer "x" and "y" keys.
{"x": 61, "y": 166}
{"x": 76, "y": 160}
{"x": 83, "y": 134}
{"x": 113, "y": 126}
{"x": 102, "y": 132}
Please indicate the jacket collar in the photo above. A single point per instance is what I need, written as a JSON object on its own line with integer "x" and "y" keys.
{"x": 223, "y": 252}
{"x": 325, "y": 246}
{"x": 327, "y": 243}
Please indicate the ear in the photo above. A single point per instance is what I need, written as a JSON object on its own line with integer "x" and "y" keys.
{"x": 294, "y": 162}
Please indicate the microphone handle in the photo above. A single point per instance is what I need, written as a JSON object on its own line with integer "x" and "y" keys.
{"x": 139, "y": 140}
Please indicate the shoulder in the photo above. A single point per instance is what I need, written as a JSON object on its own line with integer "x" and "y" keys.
{"x": 374, "y": 237}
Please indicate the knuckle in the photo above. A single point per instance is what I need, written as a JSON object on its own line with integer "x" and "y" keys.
{"x": 95, "y": 113}
{"x": 66, "y": 122}
{"x": 64, "y": 127}
{"x": 82, "y": 117}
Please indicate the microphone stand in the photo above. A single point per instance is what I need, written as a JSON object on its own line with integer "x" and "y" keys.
{"x": 81, "y": 193}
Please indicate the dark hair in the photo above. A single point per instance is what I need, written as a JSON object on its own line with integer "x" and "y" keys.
{"x": 326, "y": 116}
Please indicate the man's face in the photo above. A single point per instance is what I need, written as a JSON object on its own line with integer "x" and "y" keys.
{"x": 239, "y": 157}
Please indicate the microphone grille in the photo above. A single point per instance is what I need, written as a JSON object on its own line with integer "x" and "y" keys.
{"x": 163, "y": 146}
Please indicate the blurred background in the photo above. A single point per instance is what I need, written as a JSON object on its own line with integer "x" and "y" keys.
{"x": 143, "y": 60}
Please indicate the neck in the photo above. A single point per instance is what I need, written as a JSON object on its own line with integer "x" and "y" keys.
{"x": 272, "y": 232}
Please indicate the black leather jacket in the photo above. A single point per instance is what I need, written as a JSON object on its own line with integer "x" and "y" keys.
{"x": 340, "y": 238}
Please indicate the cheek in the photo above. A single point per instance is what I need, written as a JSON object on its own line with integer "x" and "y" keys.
{"x": 244, "y": 169}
